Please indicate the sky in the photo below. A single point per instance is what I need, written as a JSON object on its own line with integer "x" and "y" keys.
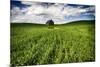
{"x": 40, "y": 12}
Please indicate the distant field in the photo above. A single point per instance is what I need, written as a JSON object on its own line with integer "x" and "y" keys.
{"x": 33, "y": 44}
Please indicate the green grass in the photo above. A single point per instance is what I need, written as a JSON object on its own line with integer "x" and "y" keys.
{"x": 33, "y": 44}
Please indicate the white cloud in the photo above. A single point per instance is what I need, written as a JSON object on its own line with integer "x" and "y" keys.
{"x": 38, "y": 13}
{"x": 35, "y": 9}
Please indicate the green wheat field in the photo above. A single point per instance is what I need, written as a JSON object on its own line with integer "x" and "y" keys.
{"x": 35, "y": 44}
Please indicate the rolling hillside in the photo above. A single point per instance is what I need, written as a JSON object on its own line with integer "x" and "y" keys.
{"x": 33, "y": 44}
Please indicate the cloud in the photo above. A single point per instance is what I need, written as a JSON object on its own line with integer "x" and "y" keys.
{"x": 39, "y": 12}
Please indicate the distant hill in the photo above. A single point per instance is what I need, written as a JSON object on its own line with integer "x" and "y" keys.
{"x": 73, "y": 22}
{"x": 81, "y": 21}
{"x": 26, "y": 24}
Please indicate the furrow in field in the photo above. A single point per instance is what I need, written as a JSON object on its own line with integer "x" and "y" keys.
{"x": 48, "y": 49}
{"x": 40, "y": 50}
{"x": 59, "y": 54}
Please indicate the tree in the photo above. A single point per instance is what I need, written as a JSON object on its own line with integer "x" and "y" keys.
{"x": 50, "y": 23}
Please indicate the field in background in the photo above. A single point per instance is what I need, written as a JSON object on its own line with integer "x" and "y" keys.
{"x": 33, "y": 44}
